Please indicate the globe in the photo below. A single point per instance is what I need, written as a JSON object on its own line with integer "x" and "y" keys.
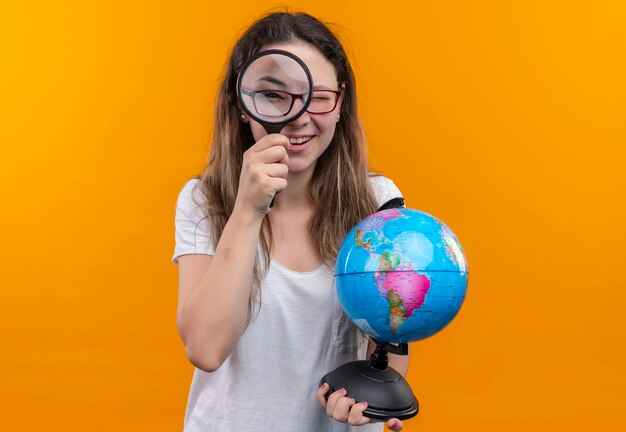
{"x": 401, "y": 275}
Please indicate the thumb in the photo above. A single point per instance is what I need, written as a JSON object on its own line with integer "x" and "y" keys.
{"x": 394, "y": 424}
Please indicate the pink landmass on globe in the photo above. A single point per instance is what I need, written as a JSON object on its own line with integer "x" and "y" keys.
{"x": 405, "y": 290}
{"x": 392, "y": 214}
{"x": 411, "y": 287}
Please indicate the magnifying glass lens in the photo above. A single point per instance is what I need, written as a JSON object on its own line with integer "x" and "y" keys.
{"x": 274, "y": 88}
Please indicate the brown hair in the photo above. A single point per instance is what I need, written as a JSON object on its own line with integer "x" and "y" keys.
{"x": 339, "y": 188}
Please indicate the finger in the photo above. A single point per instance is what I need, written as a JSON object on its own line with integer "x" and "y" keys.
{"x": 274, "y": 154}
{"x": 278, "y": 185}
{"x": 319, "y": 394}
{"x": 342, "y": 409}
{"x": 332, "y": 401}
{"x": 356, "y": 417}
{"x": 271, "y": 140}
{"x": 277, "y": 170}
{"x": 394, "y": 424}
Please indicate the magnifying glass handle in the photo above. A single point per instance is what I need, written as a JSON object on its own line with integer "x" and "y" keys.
{"x": 271, "y": 128}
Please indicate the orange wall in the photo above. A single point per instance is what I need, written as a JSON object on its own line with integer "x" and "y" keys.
{"x": 504, "y": 119}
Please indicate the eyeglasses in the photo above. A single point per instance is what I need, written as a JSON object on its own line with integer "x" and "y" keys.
{"x": 278, "y": 103}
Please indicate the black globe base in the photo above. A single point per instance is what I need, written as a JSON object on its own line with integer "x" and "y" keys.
{"x": 387, "y": 393}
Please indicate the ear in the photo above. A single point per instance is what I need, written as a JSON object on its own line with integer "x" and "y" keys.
{"x": 338, "y": 108}
{"x": 343, "y": 90}
{"x": 242, "y": 115}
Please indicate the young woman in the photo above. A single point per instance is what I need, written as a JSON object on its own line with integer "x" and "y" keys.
{"x": 257, "y": 309}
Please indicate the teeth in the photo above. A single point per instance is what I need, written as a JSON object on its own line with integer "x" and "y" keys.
{"x": 300, "y": 140}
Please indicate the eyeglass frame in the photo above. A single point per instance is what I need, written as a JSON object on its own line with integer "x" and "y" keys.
{"x": 294, "y": 96}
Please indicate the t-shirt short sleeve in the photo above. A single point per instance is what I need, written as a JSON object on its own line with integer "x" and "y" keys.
{"x": 193, "y": 234}
{"x": 384, "y": 189}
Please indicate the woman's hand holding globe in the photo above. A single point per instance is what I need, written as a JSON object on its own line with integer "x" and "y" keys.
{"x": 346, "y": 410}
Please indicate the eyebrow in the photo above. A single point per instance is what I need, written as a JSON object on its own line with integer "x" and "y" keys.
{"x": 272, "y": 80}
{"x": 322, "y": 87}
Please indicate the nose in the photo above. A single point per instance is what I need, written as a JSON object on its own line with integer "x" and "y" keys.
{"x": 301, "y": 121}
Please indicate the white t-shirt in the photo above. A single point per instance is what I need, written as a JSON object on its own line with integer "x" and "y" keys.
{"x": 299, "y": 334}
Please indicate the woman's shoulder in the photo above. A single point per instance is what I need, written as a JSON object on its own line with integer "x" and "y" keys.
{"x": 190, "y": 192}
{"x": 384, "y": 188}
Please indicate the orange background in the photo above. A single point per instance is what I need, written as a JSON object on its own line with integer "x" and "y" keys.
{"x": 504, "y": 119}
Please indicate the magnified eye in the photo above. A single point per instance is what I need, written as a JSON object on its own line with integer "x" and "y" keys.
{"x": 273, "y": 96}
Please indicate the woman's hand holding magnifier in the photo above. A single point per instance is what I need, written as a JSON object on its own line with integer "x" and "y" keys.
{"x": 263, "y": 174}
{"x": 274, "y": 88}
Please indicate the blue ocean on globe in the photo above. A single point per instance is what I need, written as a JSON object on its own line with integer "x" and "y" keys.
{"x": 401, "y": 275}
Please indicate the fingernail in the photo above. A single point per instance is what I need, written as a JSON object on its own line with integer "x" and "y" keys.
{"x": 352, "y": 401}
{"x": 342, "y": 391}
{"x": 324, "y": 386}
{"x": 365, "y": 404}
{"x": 392, "y": 423}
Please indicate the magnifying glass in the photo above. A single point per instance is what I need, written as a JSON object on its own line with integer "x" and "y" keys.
{"x": 274, "y": 88}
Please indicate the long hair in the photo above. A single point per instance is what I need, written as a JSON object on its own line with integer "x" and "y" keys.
{"x": 339, "y": 188}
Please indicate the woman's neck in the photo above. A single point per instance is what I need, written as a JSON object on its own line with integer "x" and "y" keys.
{"x": 296, "y": 195}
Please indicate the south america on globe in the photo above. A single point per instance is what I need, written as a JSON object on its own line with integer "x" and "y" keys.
{"x": 401, "y": 275}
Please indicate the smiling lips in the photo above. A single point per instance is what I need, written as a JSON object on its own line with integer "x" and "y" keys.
{"x": 300, "y": 140}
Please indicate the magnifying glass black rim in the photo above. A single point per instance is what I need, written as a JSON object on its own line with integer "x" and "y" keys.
{"x": 290, "y": 55}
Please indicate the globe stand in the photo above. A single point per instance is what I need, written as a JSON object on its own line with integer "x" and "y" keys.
{"x": 386, "y": 392}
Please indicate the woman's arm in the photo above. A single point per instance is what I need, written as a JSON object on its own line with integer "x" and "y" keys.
{"x": 213, "y": 294}
{"x": 214, "y": 291}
